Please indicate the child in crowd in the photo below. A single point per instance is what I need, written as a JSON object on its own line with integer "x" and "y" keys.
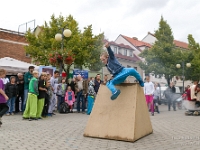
{"x": 31, "y": 105}
{"x": 119, "y": 72}
{"x": 41, "y": 96}
{"x": 70, "y": 98}
{"x": 3, "y": 97}
{"x": 48, "y": 95}
{"x": 61, "y": 90}
{"x": 91, "y": 97}
{"x": 11, "y": 90}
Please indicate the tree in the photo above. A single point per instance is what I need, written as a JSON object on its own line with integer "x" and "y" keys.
{"x": 193, "y": 58}
{"x": 81, "y": 48}
{"x": 162, "y": 57}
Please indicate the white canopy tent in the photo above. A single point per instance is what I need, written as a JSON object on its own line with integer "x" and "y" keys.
{"x": 13, "y": 66}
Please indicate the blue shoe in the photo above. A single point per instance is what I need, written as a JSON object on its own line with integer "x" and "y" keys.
{"x": 49, "y": 115}
{"x": 115, "y": 95}
{"x": 141, "y": 83}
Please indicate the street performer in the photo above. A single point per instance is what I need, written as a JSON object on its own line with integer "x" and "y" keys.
{"x": 119, "y": 72}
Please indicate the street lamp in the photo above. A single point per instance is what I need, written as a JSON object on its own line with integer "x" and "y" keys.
{"x": 183, "y": 66}
{"x": 59, "y": 37}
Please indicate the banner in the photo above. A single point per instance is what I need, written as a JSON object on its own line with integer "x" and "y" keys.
{"x": 83, "y": 73}
{"x": 47, "y": 69}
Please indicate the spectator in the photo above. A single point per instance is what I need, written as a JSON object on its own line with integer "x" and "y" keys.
{"x": 81, "y": 90}
{"x": 156, "y": 96}
{"x": 172, "y": 87}
{"x": 97, "y": 83}
{"x": 31, "y": 105}
{"x": 61, "y": 90}
{"x": 27, "y": 78}
{"x": 72, "y": 84}
{"x": 105, "y": 79}
{"x": 148, "y": 91}
{"x": 91, "y": 96}
{"x": 3, "y": 97}
{"x": 5, "y": 81}
{"x": 20, "y": 84}
{"x": 52, "y": 103}
{"x": 11, "y": 90}
{"x": 171, "y": 101}
{"x": 70, "y": 98}
{"x": 41, "y": 97}
{"x": 193, "y": 91}
{"x": 48, "y": 95}
{"x": 169, "y": 95}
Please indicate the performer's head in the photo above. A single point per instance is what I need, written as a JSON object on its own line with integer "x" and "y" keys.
{"x": 104, "y": 57}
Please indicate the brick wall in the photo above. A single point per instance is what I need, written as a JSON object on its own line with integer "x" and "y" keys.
{"x": 12, "y": 45}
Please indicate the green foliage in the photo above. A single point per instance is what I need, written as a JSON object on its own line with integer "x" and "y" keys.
{"x": 194, "y": 59}
{"x": 163, "y": 56}
{"x": 84, "y": 46}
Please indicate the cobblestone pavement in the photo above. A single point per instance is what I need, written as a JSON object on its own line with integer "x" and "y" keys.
{"x": 172, "y": 131}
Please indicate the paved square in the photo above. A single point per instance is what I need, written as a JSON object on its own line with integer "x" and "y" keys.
{"x": 171, "y": 131}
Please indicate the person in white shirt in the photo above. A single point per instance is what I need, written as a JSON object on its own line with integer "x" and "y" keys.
{"x": 148, "y": 91}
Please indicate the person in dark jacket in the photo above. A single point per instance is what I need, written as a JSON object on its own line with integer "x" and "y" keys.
{"x": 97, "y": 83}
{"x": 11, "y": 90}
{"x": 20, "y": 84}
{"x": 48, "y": 95}
{"x": 169, "y": 94}
{"x": 72, "y": 84}
{"x": 119, "y": 72}
{"x": 42, "y": 92}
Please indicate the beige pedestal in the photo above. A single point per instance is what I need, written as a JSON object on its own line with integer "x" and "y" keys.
{"x": 126, "y": 118}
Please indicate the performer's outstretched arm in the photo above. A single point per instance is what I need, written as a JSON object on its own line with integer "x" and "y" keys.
{"x": 110, "y": 52}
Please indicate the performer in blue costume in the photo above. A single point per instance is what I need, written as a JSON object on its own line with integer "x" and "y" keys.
{"x": 119, "y": 72}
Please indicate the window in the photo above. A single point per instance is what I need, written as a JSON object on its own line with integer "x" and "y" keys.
{"x": 128, "y": 66}
{"x": 131, "y": 53}
{"x": 115, "y": 50}
{"x": 135, "y": 68}
{"x": 125, "y": 52}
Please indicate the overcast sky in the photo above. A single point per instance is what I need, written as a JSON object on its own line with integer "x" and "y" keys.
{"x": 133, "y": 18}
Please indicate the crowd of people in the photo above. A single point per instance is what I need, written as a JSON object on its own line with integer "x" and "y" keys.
{"x": 37, "y": 96}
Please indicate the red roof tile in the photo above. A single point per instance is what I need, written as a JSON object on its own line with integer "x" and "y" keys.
{"x": 121, "y": 45}
{"x": 136, "y": 42}
{"x": 181, "y": 44}
{"x": 176, "y": 42}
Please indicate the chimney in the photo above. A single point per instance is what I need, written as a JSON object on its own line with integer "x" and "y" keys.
{"x": 135, "y": 38}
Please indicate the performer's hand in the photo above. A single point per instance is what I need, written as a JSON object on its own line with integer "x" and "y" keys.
{"x": 107, "y": 45}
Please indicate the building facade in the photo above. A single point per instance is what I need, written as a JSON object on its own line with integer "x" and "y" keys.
{"x": 12, "y": 45}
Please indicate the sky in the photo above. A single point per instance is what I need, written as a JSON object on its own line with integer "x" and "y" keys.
{"x": 133, "y": 18}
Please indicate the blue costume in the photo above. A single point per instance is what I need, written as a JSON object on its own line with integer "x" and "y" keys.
{"x": 119, "y": 73}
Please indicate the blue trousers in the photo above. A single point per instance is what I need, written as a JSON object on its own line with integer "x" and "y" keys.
{"x": 25, "y": 99}
{"x": 90, "y": 104}
{"x": 60, "y": 101}
{"x": 11, "y": 104}
{"x": 121, "y": 77}
{"x": 80, "y": 98}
